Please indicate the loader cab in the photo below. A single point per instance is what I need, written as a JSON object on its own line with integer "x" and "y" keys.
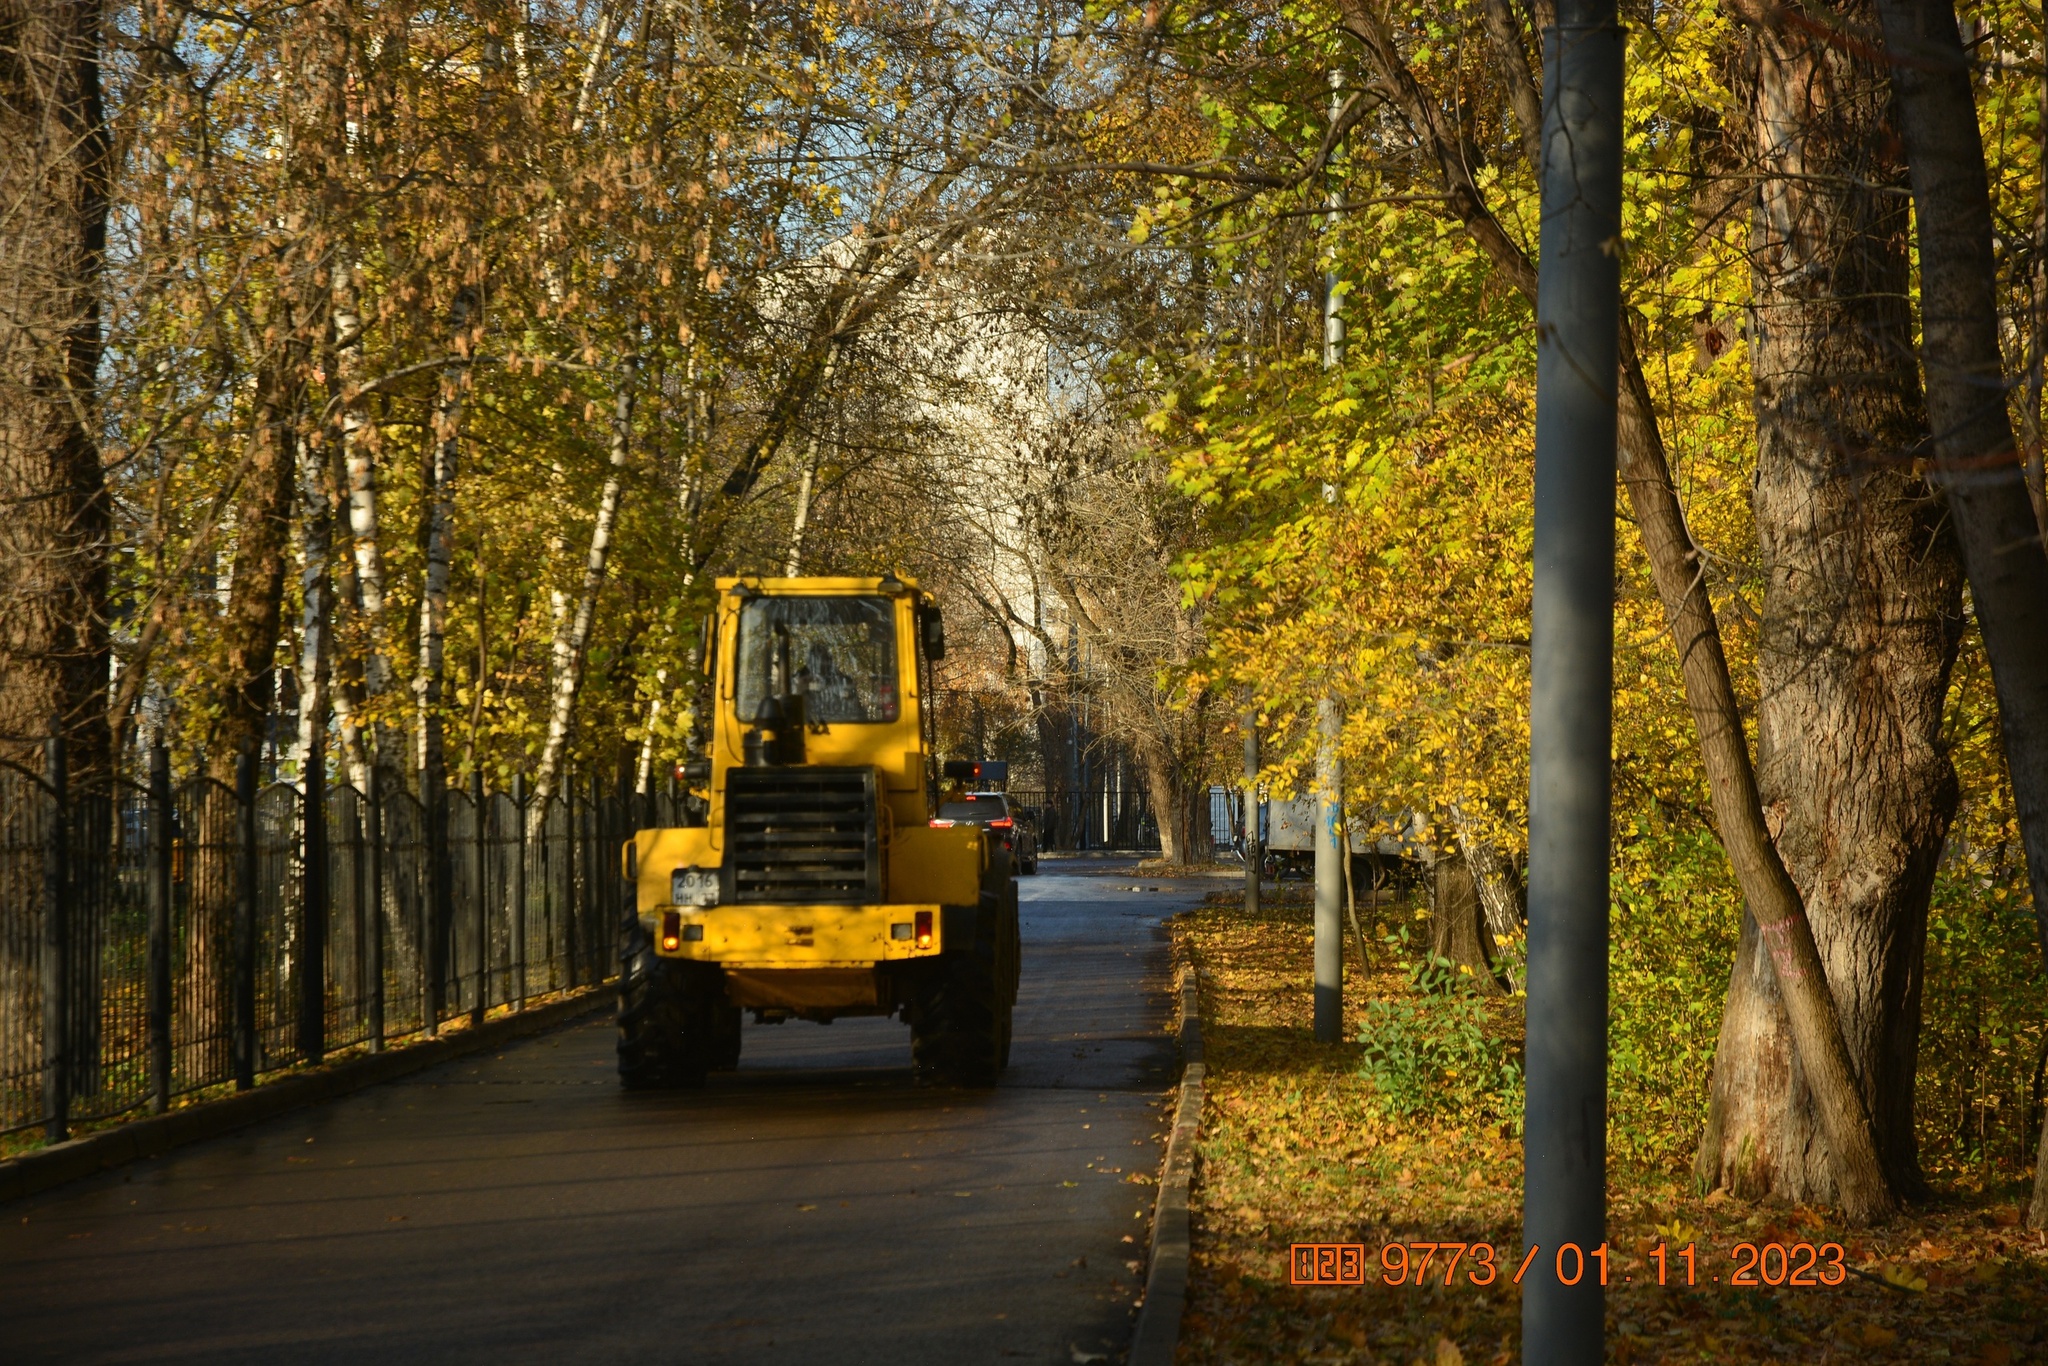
{"x": 828, "y": 673}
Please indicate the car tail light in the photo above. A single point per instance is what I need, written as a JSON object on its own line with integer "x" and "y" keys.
{"x": 671, "y": 930}
{"x": 924, "y": 929}
{"x": 1004, "y": 824}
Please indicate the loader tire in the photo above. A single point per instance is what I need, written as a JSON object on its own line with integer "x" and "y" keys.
{"x": 960, "y": 1035}
{"x": 725, "y": 1038}
{"x": 666, "y": 1018}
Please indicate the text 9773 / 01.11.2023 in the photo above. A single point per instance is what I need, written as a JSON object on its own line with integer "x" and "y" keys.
{"x": 1481, "y": 1264}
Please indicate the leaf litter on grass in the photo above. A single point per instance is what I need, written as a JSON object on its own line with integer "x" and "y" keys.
{"x": 1296, "y": 1148}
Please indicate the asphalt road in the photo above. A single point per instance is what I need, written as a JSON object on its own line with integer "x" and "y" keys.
{"x": 811, "y": 1208}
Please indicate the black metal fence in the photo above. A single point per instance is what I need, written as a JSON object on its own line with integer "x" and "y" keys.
{"x": 1095, "y": 818}
{"x": 167, "y": 936}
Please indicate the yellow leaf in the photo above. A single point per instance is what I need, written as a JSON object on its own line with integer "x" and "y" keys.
{"x": 1904, "y": 1279}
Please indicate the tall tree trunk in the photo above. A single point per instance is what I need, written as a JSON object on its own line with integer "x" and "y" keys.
{"x": 1457, "y": 927}
{"x": 316, "y": 605}
{"x": 1676, "y": 566}
{"x": 297, "y": 321}
{"x": 431, "y": 755}
{"x": 801, "y": 522}
{"x": 1861, "y": 618}
{"x": 53, "y": 536}
{"x": 572, "y": 639}
{"x": 53, "y": 502}
{"x": 1503, "y": 903}
{"x": 368, "y": 735}
{"x": 250, "y": 631}
{"x": 1980, "y": 473}
{"x": 1169, "y": 794}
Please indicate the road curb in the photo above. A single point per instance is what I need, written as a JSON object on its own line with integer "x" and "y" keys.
{"x": 36, "y": 1172}
{"x": 1157, "y": 1334}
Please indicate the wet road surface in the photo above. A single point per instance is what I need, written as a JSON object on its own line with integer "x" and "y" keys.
{"x": 813, "y": 1207}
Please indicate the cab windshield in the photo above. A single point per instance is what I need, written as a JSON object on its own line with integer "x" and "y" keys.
{"x": 839, "y": 652}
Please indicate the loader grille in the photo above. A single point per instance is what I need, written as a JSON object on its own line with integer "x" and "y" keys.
{"x": 801, "y": 834}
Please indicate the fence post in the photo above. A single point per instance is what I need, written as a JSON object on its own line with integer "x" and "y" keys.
{"x": 242, "y": 1034}
{"x": 603, "y": 859}
{"x": 483, "y": 900}
{"x": 518, "y": 953}
{"x": 314, "y": 887}
{"x": 161, "y": 834}
{"x": 56, "y": 964}
{"x": 374, "y": 838}
{"x": 569, "y": 937}
{"x": 440, "y": 876}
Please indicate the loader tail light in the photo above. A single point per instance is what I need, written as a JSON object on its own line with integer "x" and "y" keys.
{"x": 924, "y": 929}
{"x": 671, "y": 930}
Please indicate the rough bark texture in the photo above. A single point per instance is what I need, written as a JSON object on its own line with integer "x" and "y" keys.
{"x": 53, "y": 503}
{"x": 1180, "y": 804}
{"x": 1503, "y": 900}
{"x": 1457, "y": 929}
{"x": 1676, "y": 566}
{"x": 1861, "y": 618}
{"x": 1980, "y": 472}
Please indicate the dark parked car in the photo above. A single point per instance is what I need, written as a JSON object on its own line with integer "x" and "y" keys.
{"x": 992, "y": 809}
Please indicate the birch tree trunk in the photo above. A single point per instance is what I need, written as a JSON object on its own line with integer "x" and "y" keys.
{"x": 803, "y": 512}
{"x": 1861, "y": 616}
{"x": 643, "y": 769}
{"x": 316, "y": 609}
{"x": 368, "y": 737}
{"x": 572, "y": 639}
{"x": 431, "y": 756}
{"x": 810, "y": 475}
{"x": 1980, "y": 473}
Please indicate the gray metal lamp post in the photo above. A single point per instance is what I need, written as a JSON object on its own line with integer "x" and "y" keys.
{"x": 1571, "y": 709}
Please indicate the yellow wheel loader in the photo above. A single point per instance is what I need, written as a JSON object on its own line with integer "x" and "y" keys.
{"x": 819, "y": 884}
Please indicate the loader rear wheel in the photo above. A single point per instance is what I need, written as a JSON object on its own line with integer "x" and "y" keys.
{"x": 725, "y": 1038}
{"x": 956, "y": 1037}
{"x": 667, "y": 1018}
{"x": 960, "y": 1033}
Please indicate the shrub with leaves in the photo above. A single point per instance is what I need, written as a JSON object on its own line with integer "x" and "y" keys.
{"x": 1432, "y": 1050}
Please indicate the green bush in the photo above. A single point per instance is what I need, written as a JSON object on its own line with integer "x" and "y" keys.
{"x": 1432, "y": 1050}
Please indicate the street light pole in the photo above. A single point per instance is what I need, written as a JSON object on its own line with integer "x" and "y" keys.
{"x": 1572, "y": 674}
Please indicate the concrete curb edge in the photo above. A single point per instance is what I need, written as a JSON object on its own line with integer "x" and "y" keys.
{"x": 1157, "y": 1335}
{"x": 35, "y": 1172}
